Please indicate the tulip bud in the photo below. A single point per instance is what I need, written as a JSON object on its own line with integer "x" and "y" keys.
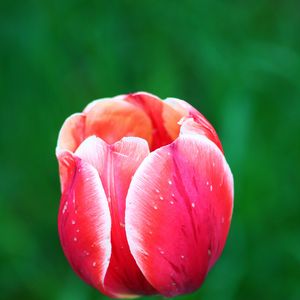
{"x": 147, "y": 195}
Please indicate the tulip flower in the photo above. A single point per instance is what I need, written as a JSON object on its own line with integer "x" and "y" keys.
{"x": 147, "y": 195}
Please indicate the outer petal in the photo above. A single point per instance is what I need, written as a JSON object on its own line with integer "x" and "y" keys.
{"x": 116, "y": 165}
{"x": 178, "y": 213}
{"x": 204, "y": 127}
{"x": 164, "y": 118}
{"x": 84, "y": 222}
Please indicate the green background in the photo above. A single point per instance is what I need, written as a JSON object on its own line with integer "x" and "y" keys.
{"x": 238, "y": 62}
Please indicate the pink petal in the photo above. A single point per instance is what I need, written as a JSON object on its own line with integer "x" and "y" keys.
{"x": 164, "y": 118}
{"x": 204, "y": 127}
{"x": 116, "y": 164}
{"x": 84, "y": 223}
{"x": 178, "y": 213}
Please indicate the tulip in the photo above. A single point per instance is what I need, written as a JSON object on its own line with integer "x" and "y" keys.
{"x": 147, "y": 195}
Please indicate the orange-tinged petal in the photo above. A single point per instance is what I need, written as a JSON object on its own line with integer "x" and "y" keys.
{"x": 116, "y": 164}
{"x": 178, "y": 213}
{"x": 72, "y": 133}
{"x": 113, "y": 119}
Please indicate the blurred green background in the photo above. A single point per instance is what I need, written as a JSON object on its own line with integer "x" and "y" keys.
{"x": 238, "y": 62}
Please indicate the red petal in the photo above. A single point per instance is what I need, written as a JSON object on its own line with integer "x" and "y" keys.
{"x": 84, "y": 224}
{"x": 116, "y": 165}
{"x": 164, "y": 118}
{"x": 204, "y": 127}
{"x": 178, "y": 213}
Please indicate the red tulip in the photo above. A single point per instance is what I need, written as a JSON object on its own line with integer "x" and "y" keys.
{"x": 147, "y": 195}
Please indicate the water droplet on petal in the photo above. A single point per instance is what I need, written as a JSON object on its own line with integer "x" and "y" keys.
{"x": 172, "y": 202}
{"x": 94, "y": 264}
{"x": 209, "y": 252}
{"x": 170, "y": 182}
{"x": 193, "y": 204}
{"x": 161, "y": 197}
{"x": 211, "y": 187}
{"x": 155, "y": 207}
{"x": 75, "y": 239}
{"x": 161, "y": 251}
{"x": 73, "y": 222}
{"x": 65, "y": 207}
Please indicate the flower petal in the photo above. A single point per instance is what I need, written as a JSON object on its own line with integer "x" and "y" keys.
{"x": 178, "y": 213}
{"x": 112, "y": 119}
{"x": 204, "y": 127}
{"x": 116, "y": 164}
{"x": 67, "y": 168}
{"x": 164, "y": 118}
{"x": 84, "y": 224}
{"x": 71, "y": 133}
